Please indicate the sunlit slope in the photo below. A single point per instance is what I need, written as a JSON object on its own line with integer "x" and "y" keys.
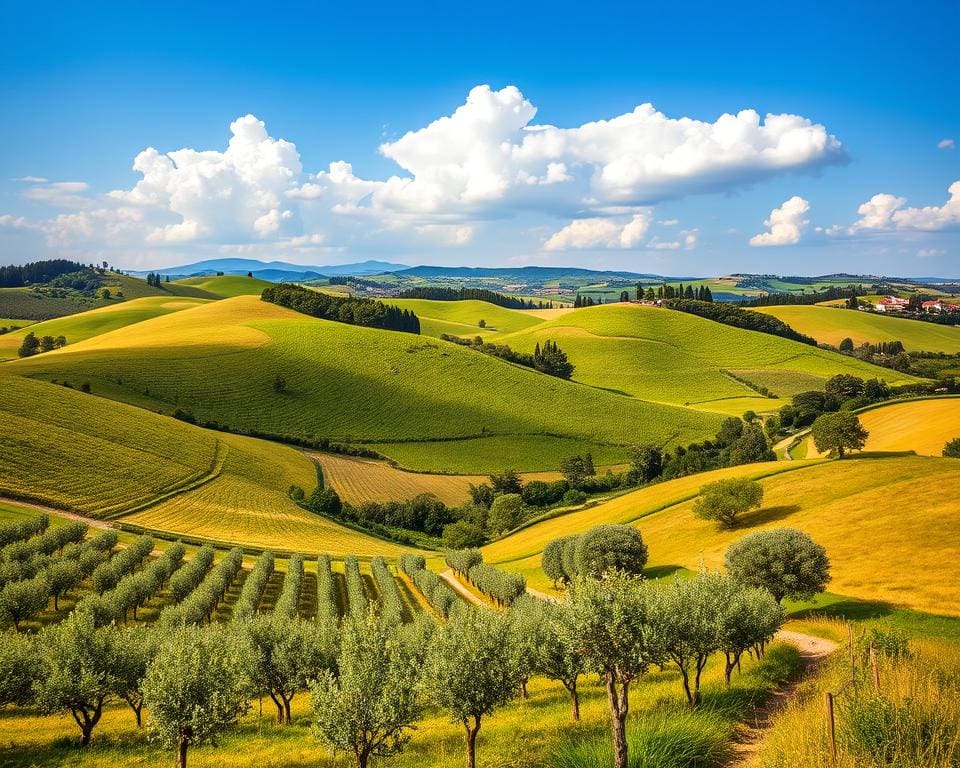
{"x": 831, "y": 325}
{"x": 674, "y": 357}
{"x": 889, "y": 526}
{"x": 922, "y": 426}
{"x": 106, "y": 459}
{"x": 462, "y": 318}
{"x": 226, "y": 286}
{"x": 352, "y": 384}
{"x": 102, "y": 320}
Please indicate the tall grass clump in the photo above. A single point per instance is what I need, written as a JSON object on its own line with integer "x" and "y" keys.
{"x": 671, "y": 738}
{"x": 911, "y": 721}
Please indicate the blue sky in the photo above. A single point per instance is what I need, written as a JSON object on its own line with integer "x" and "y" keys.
{"x": 853, "y": 181}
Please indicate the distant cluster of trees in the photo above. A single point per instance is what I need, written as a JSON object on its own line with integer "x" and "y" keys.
{"x": 549, "y": 358}
{"x": 37, "y": 272}
{"x": 156, "y": 280}
{"x": 832, "y": 293}
{"x": 729, "y": 314}
{"x": 842, "y": 391}
{"x": 343, "y": 309}
{"x": 31, "y": 345}
{"x": 477, "y": 294}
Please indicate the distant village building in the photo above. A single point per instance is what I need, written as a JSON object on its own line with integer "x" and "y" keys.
{"x": 891, "y": 304}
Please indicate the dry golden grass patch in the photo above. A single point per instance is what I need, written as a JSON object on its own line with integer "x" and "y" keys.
{"x": 922, "y": 426}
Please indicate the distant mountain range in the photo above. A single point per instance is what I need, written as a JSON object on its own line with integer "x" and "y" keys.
{"x": 533, "y": 273}
{"x": 275, "y": 271}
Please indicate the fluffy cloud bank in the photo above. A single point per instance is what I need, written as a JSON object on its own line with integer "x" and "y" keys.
{"x": 888, "y": 213}
{"x": 785, "y": 225}
{"x": 487, "y": 160}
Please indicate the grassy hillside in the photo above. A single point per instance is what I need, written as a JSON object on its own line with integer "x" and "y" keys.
{"x": 41, "y": 303}
{"x": 885, "y": 522}
{"x": 221, "y": 361}
{"x": 85, "y": 325}
{"x": 674, "y": 357}
{"x": 831, "y": 326}
{"x": 68, "y": 449}
{"x": 225, "y": 286}
{"x": 462, "y": 318}
{"x": 922, "y": 426}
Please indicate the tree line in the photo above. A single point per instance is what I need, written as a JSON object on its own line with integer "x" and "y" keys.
{"x": 31, "y": 345}
{"x": 548, "y": 359}
{"x": 831, "y": 293}
{"x": 342, "y": 309}
{"x": 36, "y": 272}
{"x": 475, "y": 294}
{"x": 730, "y": 314}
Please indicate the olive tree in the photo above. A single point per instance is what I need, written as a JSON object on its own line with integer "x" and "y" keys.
{"x": 613, "y": 629}
{"x": 784, "y": 561}
{"x": 370, "y": 705}
{"x": 471, "y": 669}
{"x": 22, "y": 599}
{"x": 136, "y": 648}
{"x": 838, "y": 432}
{"x": 196, "y": 687}
{"x": 19, "y": 667}
{"x": 78, "y": 670}
{"x": 749, "y": 618}
{"x": 725, "y": 500}
{"x": 286, "y": 654}
{"x": 527, "y": 625}
{"x": 610, "y": 547}
{"x": 558, "y": 655}
{"x": 552, "y": 561}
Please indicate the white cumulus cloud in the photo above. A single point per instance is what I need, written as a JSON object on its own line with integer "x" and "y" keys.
{"x": 946, "y": 144}
{"x": 887, "y": 213}
{"x": 785, "y": 225}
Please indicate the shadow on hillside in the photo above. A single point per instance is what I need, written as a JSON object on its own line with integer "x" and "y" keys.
{"x": 856, "y": 610}
{"x": 768, "y": 515}
{"x": 661, "y": 571}
{"x": 879, "y": 455}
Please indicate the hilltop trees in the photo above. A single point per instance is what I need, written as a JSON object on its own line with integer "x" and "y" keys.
{"x": 196, "y": 687}
{"x": 369, "y": 706}
{"x": 725, "y": 500}
{"x": 30, "y": 345}
{"x": 471, "y": 669}
{"x": 784, "y": 561}
{"x": 838, "y": 432}
{"x": 342, "y": 309}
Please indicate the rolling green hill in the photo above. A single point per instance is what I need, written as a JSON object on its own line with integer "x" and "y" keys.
{"x": 830, "y": 325}
{"x": 883, "y": 521}
{"x": 224, "y": 286}
{"x": 106, "y": 459}
{"x": 85, "y": 325}
{"x": 674, "y": 357}
{"x": 431, "y": 404}
{"x": 462, "y": 318}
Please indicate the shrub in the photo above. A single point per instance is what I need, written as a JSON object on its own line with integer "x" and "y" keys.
{"x": 610, "y": 547}
{"x": 952, "y": 449}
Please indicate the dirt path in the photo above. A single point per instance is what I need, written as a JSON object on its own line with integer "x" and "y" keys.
{"x": 542, "y": 595}
{"x": 93, "y": 523}
{"x": 813, "y": 650}
{"x": 461, "y": 590}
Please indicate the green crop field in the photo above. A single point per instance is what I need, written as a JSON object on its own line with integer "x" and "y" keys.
{"x": 462, "y": 318}
{"x": 883, "y": 521}
{"x": 85, "y": 325}
{"x": 224, "y": 286}
{"x": 357, "y": 384}
{"x": 108, "y": 459}
{"x": 673, "y": 357}
{"x": 831, "y": 326}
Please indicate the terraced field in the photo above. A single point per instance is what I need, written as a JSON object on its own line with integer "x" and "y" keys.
{"x": 831, "y": 326}
{"x": 357, "y": 480}
{"x": 108, "y": 459}
{"x": 356, "y": 384}
{"x": 85, "y": 325}
{"x": 672, "y": 357}
{"x": 885, "y": 522}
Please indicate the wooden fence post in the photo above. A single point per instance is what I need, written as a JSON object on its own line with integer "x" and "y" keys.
{"x": 874, "y": 667}
{"x": 831, "y": 731}
{"x": 853, "y": 657}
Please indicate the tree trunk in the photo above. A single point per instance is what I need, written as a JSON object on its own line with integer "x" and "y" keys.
{"x": 523, "y": 689}
{"x": 186, "y": 736}
{"x": 619, "y": 707}
{"x": 575, "y": 698}
{"x": 56, "y": 601}
{"x": 732, "y": 660}
{"x": 279, "y": 705}
{"x": 286, "y": 712}
{"x": 472, "y": 742}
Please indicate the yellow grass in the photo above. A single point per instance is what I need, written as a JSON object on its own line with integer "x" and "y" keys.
{"x": 922, "y": 426}
{"x": 889, "y": 525}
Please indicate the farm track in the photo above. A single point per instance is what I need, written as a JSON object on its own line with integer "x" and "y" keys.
{"x": 813, "y": 651}
{"x": 461, "y": 590}
{"x": 92, "y": 522}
